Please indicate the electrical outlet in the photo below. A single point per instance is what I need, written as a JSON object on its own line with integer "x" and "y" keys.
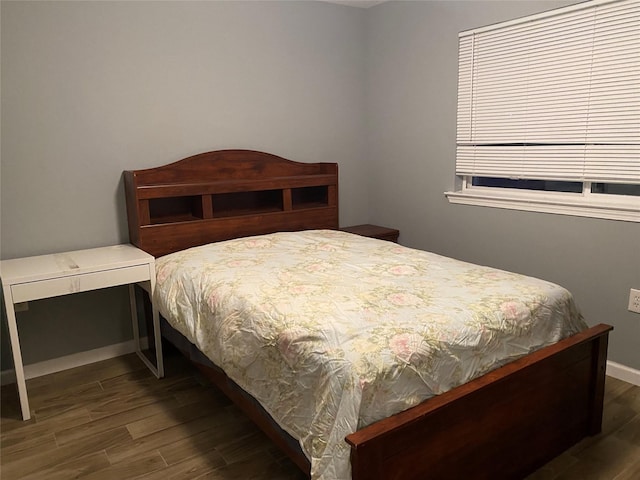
{"x": 634, "y": 300}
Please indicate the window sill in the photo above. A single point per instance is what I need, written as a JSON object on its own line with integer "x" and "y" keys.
{"x": 621, "y": 208}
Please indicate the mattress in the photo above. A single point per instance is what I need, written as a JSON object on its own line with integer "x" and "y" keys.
{"x": 331, "y": 331}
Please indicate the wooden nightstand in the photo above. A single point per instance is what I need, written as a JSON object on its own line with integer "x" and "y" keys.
{"x": 374, "y": 231}
{"x": 46, "y": 276}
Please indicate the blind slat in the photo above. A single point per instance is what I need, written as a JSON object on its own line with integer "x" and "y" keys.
{"x": 596, "y": 163}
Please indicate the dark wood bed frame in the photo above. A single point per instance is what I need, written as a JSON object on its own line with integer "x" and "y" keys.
{"x": 503, "y": 425}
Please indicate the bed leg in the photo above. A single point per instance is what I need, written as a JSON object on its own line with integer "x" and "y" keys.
{"x": 600, "y": 346}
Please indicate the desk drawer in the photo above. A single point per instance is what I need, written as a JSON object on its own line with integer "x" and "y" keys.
{"x": 23, "y": 292}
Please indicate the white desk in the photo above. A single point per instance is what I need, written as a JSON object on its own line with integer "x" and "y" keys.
{"x": 46, "y": 276}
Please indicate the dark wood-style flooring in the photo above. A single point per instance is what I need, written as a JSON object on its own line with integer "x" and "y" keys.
{"x": 113, "y": 420}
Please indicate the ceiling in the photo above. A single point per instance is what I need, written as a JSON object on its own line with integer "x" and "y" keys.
{"x": 357, "y": 3}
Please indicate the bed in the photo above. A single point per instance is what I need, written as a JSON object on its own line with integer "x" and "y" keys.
{"x": 502, "y": 420}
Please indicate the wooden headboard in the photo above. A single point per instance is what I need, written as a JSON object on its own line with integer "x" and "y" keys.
{"x": 227, "y": 194}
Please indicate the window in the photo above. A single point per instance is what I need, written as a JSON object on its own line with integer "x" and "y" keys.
{"x": 549, "y": 112}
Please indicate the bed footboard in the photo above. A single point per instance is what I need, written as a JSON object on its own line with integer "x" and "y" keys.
{"x": 505, "y": 424}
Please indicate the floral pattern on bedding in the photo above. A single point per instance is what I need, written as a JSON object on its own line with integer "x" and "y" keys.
{"x": 330, "y": 331}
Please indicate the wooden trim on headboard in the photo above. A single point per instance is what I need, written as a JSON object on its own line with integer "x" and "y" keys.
{"x": 227, "y": 194}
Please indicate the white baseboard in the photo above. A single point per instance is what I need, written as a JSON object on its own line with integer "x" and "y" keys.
{"x": 71, "y": 361}
{"x": 7, "y": 377}
{"x": 622, "y": 372}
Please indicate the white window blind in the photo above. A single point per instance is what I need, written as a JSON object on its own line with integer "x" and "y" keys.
{"x": 553, "y": 97}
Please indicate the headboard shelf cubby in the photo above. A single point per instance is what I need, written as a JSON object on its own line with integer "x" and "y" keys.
{"x": 175, "y": 209}
{"x": 219, "y": 195}
{"x": 235, "y": 204}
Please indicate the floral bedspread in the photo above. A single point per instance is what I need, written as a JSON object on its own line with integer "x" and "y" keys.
{"x": 330, "y": 331}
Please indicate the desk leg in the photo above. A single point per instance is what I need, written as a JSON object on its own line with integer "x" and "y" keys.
{"x": 17, "y": 354}
{"x": 157, "y": 336}
{"x": 158, "y": 369}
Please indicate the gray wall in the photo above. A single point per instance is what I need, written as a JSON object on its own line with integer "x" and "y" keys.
{"x": 411, "y": 102}
{"x": 90, "y": 89}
